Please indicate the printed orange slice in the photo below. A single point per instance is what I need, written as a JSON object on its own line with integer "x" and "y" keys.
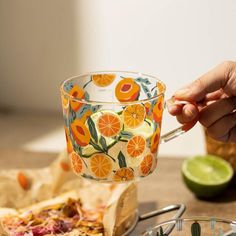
{"x": 123, "y": 174}
{"x": 76, "y": 163}
{"x": 148, "y": 108}
{"x": 109, "y": 124}
{"x": 155, "y": 140}
{"x": 100, "y": 165}
{"x": 127, "y": 90}
{"x": 134, "y": 115}
{"x": 158, "y": 109}
{"x": 85, "y": 116}
{"x": 160, "y": 87}
{"x": 78, "y": 93}
{"x": 136, "y": 146}
{"x": 68, "y": 141}
{"x": 80, "y": 133}
{"x": 146, "y": 164}
{"x": 103, "y": 80}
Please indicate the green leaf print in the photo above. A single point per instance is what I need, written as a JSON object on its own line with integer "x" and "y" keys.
{"x": 139, "y": 79}
{"x": 95, "y": 108}
{"x": 161, "y": 232}
{"x": 86, "y": 96}
{"x": 89, "y": 177}
{"x": 126, "y": 134}
{"x": 121, "y": 159}
{"x": 143, "y": 80}
{"x": 82, "y": 110}
{"x": 92, "y": 129}
{"x": 103, "y": 142}
{"x": 96, "y": 146}
{"x": 71, "y": 115}
{"x": 146, "y": 90}
{"x": 196, "y": 229}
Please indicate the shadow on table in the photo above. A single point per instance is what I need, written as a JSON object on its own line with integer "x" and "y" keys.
{"x": 148, "y": 207}
{"x": 145, "y": 207}
{"x": 229, "y": 195}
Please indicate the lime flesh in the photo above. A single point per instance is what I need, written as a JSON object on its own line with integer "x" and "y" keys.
{"x": 145, "y": 130}
{"x": 206, "y": 176}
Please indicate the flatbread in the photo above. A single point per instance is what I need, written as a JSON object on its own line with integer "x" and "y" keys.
{"x": 38, "y": 188}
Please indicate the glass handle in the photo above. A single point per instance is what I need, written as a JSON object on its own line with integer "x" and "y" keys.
{"x": 180, "y": 207}
{"x": 180, "y": 130}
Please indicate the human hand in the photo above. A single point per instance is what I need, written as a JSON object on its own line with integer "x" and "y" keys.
{"x": 214, "y": 94}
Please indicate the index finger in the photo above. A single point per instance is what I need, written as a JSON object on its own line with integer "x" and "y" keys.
{"x": 211, "y": 81}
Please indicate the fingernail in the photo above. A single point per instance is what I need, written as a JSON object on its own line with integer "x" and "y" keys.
{"x": 191, "y": 112}
{"x": 172, "y": 107}
{"x": 170, "y": 102}
{"x": 182, "y": 93}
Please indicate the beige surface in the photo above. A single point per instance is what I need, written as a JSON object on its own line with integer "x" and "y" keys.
{"x": 39, "y": 48}
{"x": 19, "y": 128}
{"x": 162, "y": 188}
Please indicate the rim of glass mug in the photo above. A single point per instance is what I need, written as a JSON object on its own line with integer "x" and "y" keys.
{"x": 165, "y": 137}
{"x": 117, "y": 103}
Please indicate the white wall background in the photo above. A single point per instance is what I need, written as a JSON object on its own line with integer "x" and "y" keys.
{"x": 43, "y": 42}
{"x": 38, "y": 49}
{"x": 176, "y": 40}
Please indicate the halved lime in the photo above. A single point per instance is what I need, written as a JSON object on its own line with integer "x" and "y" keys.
{"x": 206, "y": 176}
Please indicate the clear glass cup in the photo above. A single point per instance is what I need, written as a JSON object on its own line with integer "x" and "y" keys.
{"x": 113, "y": 124}
{"x": 224, "y": 150}
{"x": 205, "y": 226}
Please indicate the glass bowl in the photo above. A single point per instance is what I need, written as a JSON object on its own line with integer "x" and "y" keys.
{"x": 196, "y": 226}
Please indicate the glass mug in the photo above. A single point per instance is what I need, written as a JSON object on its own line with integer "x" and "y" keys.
{"x": 113, "y": 124}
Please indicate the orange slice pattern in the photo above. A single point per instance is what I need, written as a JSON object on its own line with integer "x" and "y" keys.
{"x": 123, "y": 174}
{"x": 103, "y": 80}
{"x": 77, "y": 93}
{"x": 68, "y": 141}
{"x": 109, "y": 125}
{"x": 134, "y": 115}
{"x": 127, "y": 90}
{"x": 158, "y": 109}
{"x": 80, "y": 133}
{"x": 85, "y": 116}
{"x": 148, "y": 108}
{"x": 76, "y": 163}
{"x": 146, "y": 164}
{"x": 136, "y": 146}
{"x": 160, "y": 87}
{"x": 155, "y": 140}
{"x": 100, "y": 165}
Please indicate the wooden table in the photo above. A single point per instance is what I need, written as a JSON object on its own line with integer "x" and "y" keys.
{"x": 162, "y": 188}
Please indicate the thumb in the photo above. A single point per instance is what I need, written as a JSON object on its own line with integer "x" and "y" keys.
{"x": 211, "y": 81}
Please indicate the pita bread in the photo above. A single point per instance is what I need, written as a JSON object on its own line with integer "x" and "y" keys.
{"x": 119, "y": 201}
